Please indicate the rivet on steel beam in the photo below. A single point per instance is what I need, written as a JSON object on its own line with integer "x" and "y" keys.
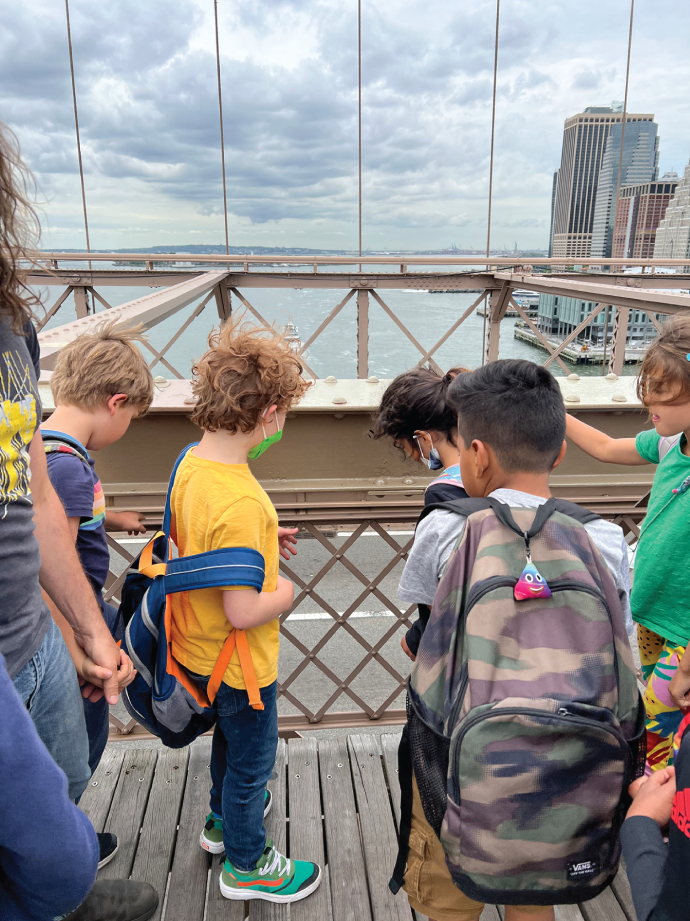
{"x": 573, "y": 377}
{"x": 408, "y": 481}
{"x": 330, "y": 379}
{"x": 372, "y": 380}
{"x": 612, "y": 377}
{"x": 339, "y": 400}
{"x": 619, "y": 398}
{"x": 572, "y": 398}
{"x": 379, "y": 482}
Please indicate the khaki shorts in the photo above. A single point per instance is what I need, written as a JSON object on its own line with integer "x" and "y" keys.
{"x": 428, "y": 883}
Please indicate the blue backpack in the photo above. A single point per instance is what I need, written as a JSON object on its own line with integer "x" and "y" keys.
{"x": 163, "y": 697}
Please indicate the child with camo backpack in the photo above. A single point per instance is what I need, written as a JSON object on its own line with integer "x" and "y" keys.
{"x": 511, "y": 421}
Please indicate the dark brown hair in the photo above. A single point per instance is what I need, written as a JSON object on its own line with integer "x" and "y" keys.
{"x": 19, "y": 232}
{"x": 666, "y": 367}
{"x": 416, "y": 401}
{"x": 246, "y": 369}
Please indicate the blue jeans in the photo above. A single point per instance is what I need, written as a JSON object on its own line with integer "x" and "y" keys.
{"x": 242, "y": 759}
{"x": 97, "y": 715}
{"x": 49, "y": 689}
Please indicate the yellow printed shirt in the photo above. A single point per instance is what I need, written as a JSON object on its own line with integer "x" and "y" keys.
{"x": 218, "y": 506}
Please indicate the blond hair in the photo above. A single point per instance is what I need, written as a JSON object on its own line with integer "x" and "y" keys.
{"x": 246, "y": 369}
{"x": 97, "y": 365}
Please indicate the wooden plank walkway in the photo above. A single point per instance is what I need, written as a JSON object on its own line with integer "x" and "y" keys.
{"x": 335, "y": 801}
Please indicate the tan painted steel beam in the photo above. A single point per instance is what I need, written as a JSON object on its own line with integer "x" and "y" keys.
{"x": 583, "y": 289}
{"x": 149, "y": 311}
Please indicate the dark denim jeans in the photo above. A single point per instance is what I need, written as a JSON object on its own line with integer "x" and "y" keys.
{"x": 242, "y": 760}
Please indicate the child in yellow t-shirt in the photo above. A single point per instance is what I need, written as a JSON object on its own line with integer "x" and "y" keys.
{"x": 244, "y": 385}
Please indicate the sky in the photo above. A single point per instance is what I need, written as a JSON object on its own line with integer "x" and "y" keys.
{"x": 148, "y": 111}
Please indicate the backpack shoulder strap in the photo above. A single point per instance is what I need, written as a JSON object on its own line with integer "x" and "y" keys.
{"x": 464, "y": 507}
{"x": 52, "y": 444}
{"x": 583, "y": 515}
{"x": 667, "y": 443}
{"x": 168, "y": 511}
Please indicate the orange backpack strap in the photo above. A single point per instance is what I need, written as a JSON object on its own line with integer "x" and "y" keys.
{"x": 236, "y": 639}
{"x": 146, "y": 565}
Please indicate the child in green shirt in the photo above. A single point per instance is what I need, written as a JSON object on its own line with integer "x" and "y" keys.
{"x": 659, "y": 597}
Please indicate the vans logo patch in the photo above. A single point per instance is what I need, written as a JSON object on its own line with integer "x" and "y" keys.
{"x": 583, "y": 870}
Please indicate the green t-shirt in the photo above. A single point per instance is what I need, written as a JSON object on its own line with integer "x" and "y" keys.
{"x": 660, "y": 598}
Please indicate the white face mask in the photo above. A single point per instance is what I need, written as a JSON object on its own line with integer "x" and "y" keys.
{"x": 433, "y": 461}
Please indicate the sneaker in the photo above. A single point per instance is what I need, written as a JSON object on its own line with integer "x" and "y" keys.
{"x": 107, "y": 848}
{"x": 117, "y": 900}
{"x": 275, "y": 878}
{"x": 212, "y": 836}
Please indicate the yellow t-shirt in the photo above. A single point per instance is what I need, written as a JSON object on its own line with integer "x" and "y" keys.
{"x": 217, "y": 506}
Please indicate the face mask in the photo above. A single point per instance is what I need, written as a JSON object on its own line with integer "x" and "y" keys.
{"x": 269, "y": 440}
{"x": 433, "y": 461}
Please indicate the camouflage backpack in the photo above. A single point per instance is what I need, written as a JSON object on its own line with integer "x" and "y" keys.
{"x": 525, "y": 725}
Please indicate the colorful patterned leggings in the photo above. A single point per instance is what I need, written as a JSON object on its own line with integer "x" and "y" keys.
{"x": 659, "y": 659}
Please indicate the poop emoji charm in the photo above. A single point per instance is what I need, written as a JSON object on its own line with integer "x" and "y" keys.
{"x": 531, "y": 584}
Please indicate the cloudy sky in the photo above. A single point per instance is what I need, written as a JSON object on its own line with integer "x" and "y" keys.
{"x": 148, "y": 107}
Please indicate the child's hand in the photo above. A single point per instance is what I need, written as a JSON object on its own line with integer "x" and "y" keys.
{"x": 287, "y": 542}
{"x": 92, "y": 676}
{"x": 406, "y": 650}
{"x": 131, "y": 522}
{"x": 679, "y": 690}
{"x": 653, "y": 796}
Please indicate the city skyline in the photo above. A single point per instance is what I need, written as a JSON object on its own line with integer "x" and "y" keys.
{"x": 145, "y": 77}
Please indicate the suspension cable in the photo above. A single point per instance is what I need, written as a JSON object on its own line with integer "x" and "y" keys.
{"x": 625, "y": 118}
{"x": 491, "y": 169}
{"x": 222, "y": 140}
{"x": 359, "y": 115}
{"x": 76, "y": 126}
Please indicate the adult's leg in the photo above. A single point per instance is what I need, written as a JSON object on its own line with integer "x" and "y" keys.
{"x": 252, "y": 738}
{"x": 97, "y": 715}
{"x": 49, "y": 688}
{"x": 659, "y": 659}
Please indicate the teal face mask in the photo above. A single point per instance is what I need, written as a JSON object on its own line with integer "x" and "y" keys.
{"x": 259, "y": 449}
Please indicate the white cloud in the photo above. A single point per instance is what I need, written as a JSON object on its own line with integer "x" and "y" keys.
{"x": 146, "y": 83}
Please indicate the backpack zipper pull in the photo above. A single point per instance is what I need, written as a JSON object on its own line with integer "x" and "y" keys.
{"x": 563, "y": 712}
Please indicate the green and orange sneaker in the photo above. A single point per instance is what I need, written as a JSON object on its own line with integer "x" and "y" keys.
{"x": 275, "y": 878}
{"x": 212, "y": 835}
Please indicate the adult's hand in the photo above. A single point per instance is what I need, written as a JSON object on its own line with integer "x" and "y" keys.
{"x": 679, "y": 688}
{"x": 653, "y": 796}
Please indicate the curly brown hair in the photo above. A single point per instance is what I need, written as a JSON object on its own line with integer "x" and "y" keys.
{"x": 19, "y": 232}
{"x": 666, "y": 366}
{"x": 246, "y": 369}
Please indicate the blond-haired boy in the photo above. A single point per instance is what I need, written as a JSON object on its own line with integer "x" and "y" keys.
{"x": 100, "y": 383}
{"x": 244, "y": 385}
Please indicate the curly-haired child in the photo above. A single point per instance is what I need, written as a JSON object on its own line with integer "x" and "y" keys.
{"x": 659, "y": 595}
{"x": 244, "y": 386}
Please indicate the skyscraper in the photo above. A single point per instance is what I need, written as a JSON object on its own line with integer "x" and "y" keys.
{"x": 673, "y": 233}
{"x": 640, "y": 165}
{"x": 641, "y": 209}
{"x": 554, "y": 191}
{"x": 584, "y": 145}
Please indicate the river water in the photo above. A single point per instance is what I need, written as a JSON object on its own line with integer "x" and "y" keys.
{"x": 427, "y": 317}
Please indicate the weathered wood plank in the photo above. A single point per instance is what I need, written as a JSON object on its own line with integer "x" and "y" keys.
{"x": 276, "y": 828}
{"x": 604, "y": 908}
{"x": 159, "y": 826}
{"x": 569, "y": 913}
{"x": 621, "y": 889}
{"x": 127, "y": 810}
{"x": 490, "y": 913}
{"x": 306, "y": 825}
{"x": 98, "y": 796}
{"x": 220, "y": 909}
{"x": 378, "y": 830}
{"x": 349, "y": 897}
{"x": 189, "y": 875}
{"x": 389, "y": 747}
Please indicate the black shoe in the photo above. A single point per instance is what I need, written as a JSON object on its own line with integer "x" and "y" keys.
{"x": 117, "y": 900}
{"x": 107, "y": 848}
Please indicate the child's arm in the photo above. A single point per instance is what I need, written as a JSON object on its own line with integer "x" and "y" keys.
{"x": 601, "y": 446}
{"x": 248, "y": 608}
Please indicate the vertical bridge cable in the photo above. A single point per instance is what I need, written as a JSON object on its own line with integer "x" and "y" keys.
{"x": 76, "y": 126}
{"x": 222, "y": 140}
{"x": 359, "y": 116}
{"x": 491, "y": 170}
